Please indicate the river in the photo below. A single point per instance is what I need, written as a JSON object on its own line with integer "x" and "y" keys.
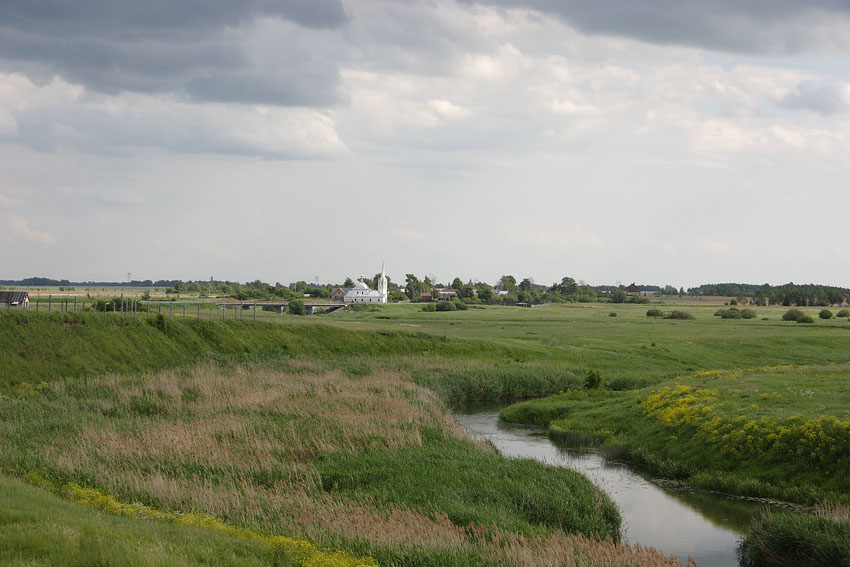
{"x": 706, "y": 527}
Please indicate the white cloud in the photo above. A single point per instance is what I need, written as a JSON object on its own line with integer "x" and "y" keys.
{"x": 18, "y": 228}
{"x": 447, "y": 108}
{"x": 9, "y": 202}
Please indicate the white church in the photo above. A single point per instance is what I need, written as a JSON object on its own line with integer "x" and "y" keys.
{"x": 361, "y": 293}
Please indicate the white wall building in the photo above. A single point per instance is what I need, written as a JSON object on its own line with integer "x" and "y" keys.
{"x": 361, "y": 293}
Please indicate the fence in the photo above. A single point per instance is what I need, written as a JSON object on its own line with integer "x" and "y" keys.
{"x": 133, "y": 307}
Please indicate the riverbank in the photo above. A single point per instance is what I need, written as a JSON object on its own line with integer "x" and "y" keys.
{"x": 778, "y": 432}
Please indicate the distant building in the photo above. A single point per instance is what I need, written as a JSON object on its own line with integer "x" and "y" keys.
{"x": 362, "y": 293}
{"x": 14, "y": 299}
{"x": 426, "y": 297}
{"x": 447, "y": 294}
{"x": 633, "y": 290}
{"x": 338, "y": 294}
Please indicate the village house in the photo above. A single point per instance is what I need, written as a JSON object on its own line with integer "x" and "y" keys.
{"x": 14, "y": 299}
{"x": 633, "y": 290}
{"x": 447, "y": 294}
{"x": 338, "y": 294}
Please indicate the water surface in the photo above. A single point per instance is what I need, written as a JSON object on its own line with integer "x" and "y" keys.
{"x": 687, "y": 524}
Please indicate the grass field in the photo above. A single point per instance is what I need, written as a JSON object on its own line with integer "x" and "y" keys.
{"x": 333, "y": 428}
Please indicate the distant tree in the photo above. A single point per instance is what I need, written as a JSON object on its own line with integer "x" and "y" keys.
{"x": 485, "y": 293}
{"x": 681, "y": 291}
{"x": 508, "y": 283}
{"x": 413, "y": 287}
{"x": 526, "y": 284}
{"x": 348, "y": 283}
{"x": 296, "y": 307}
{"x": 568, "y": 286}
{"x": 618, "y": 296}
{"x": 457, "y": 283}
{"x": 825, "y": 314}
{"x": 466, "y": 292}
{"x": 523, "y": 296}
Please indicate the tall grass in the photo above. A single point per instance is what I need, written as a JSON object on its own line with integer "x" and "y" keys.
{"x": 362, "y": 461}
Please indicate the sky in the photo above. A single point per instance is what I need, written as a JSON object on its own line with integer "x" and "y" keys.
{"x": 664, "y": 141}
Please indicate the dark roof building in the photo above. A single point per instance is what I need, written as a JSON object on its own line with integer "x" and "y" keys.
{"x": 633, "y": 290}
{"x": 14, "y": 298}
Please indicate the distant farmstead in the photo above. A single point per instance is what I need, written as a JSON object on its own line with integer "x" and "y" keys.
{"x": 633, "y": 290}
{"x": 14, "y": 299}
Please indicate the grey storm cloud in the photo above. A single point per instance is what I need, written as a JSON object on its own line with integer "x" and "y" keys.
{"x": 751, "y": 26}
{"x": 823, "y": 97}
{"x": 192, "y": 48}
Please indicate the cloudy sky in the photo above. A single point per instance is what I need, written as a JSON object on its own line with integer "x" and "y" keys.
{"x": 661, "y": 141}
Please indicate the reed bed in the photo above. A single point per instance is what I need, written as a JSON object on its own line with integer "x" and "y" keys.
{"x": 358, "y": 459}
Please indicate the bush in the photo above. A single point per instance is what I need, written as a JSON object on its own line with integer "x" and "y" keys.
{"x": 654, "y": 312}
{"x": 733, "y": 302}
{"x": 612, "y": 314}
{"x": 805, "y": 319}
{"x": 593, "y": 379}
{"x": 296, "y": 307}
{"x": 460, "y": 305}
{"x": 719, "y": 312}
{"x": 676, "y": 314}
{"x": 429, "y": 307}
{"x": 732, "y": 313}
{"x": 446, "y": 306}
{"x": 844, "y": 313}
{"x": 748, "y": 314}
{"x": 825, "y": 314}
{"x": 793, "y": 315}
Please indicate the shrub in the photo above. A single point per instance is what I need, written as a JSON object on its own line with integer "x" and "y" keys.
{"x": 654, "y": 312}
{"x": 733, "y": 302}
{"x": 825, "y": 314}
{"x": 296, "y": 307}
{"x": 593, "y": 379}
{"x": 446, "y": 306}
{"x": 676, "y": 314}
{"x": 793, "y": 315}
{"x": 748, "y": 314}
{"x": 732, "y": 313}
{"x": 844, "y": 313}
{"x": 429, "y": 307}
{"x": 719, "y": 312}
{"x": 612, "y": 314}
{"x": 460, "y": 305}
{"x": 805, "y": 319}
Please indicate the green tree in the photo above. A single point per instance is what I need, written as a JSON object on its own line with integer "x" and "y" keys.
{"x": 348, "y": 283}
{"x": 568, "y": 286}
{"x": 526, "y": 284}
{"x": 457, "y": 284}
{"x": 296, "y": 307}
{"x": 412, "y": 286}
{"x": 508, "y": 283}
{"x": 485, "y": 293}
{"x": 618, "y": 296}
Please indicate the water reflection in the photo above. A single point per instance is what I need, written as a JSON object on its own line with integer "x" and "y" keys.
{"x": 706, "y": 527}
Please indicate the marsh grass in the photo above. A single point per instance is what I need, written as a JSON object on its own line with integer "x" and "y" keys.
{"x": 365, "y": 462}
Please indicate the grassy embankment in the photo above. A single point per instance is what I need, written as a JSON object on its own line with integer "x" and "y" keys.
{"x": 283, "y": 430}
{"x": 779, "y": 431}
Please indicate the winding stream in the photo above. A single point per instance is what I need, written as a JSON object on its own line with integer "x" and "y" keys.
{"x": 687, "y": 524}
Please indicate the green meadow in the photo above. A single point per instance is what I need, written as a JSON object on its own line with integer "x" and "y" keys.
{"x": 327, "y": 440}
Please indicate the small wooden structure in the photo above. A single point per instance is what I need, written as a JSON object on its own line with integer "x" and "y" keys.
{"x": 14, "y": 299}
{"x": 633, "y": 290}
